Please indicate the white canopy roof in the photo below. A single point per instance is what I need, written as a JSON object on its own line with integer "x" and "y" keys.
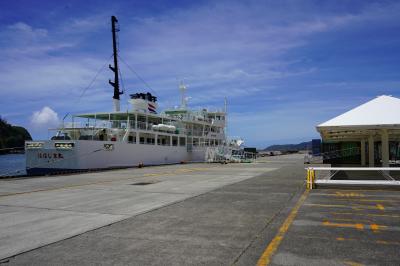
{"x": 383, "y": 110}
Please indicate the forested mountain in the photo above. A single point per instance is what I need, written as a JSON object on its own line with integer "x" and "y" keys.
{"x": 12, "y": 136}
{"x": 290, "y": 147}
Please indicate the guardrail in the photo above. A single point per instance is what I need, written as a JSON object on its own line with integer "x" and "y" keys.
{"x": 312, "y": 181}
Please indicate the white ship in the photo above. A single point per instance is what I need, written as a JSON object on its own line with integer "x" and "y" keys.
{"x": 137, "y": 137}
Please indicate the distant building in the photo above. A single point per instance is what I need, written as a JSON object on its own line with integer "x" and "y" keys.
{"x": 250, "y": 152}
{"x": 316, "y": 147}
{"x": 368, "y": 134}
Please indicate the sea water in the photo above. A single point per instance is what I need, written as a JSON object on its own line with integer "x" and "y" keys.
{"x": 12, "y": 164}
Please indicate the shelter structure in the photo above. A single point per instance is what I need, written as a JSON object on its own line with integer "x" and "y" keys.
{"x": 368, "y": 134}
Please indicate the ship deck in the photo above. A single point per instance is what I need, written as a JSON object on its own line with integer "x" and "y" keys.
{"x": 209, "y": 214}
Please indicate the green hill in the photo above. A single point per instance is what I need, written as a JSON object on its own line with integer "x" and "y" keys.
{"x": 12, "y": 136}
{"x": 290, "y": 147}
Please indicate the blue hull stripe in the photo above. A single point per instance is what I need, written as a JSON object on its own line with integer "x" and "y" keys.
{"x": 52, "y": 171}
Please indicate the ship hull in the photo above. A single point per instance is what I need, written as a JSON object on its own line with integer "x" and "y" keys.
{"x": 96, "y": 155}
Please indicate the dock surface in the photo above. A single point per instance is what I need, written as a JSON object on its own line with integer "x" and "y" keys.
{"x": 193, "y": 214}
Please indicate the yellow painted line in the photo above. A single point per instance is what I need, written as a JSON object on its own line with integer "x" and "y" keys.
{"x": 380, "y": 207}
{"x": 391, "y": 197}
{"x": 341, "y": 238}
{"x": 276, "y": 241}
{"x": 366, "y": 214}
{"x": 375, "y": 228}
{"x": 371, "y": 200}
{"x": 353, "y": 206}
{"x": 352, "y": 220}
{"x": 327, "y": 205}
{"x": 358, "y": 226}
{"x": 364, "y": 190}
{"x": 381, "y": 242}
{"x": 384, "y": 242}
{"x": 348, "y": 194}
{"x": 352, "y": 263}
{"x": 99, "y": 182}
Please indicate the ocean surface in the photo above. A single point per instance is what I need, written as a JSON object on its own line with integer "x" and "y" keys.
{"x": 12, "y": 164}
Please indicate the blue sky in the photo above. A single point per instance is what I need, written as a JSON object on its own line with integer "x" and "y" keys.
{"x": 284, "y": 66}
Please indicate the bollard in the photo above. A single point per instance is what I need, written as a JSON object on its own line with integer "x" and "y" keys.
{"x": 310, "y": 178}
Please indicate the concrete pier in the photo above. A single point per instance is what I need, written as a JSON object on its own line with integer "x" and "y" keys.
{"x": 192, "y": 214}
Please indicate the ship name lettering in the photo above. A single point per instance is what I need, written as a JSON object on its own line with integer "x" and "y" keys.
{"x": 46, "y": 155}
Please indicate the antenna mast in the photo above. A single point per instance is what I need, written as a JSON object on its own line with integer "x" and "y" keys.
{"x": 182, "y": 87}
{"x": 114, "y": 68}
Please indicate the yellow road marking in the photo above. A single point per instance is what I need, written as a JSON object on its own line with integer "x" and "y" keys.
{"x": 365, "y": 214}
{"x": 326, "y": 205}
{"x": 380, "y": 207}
{"x": 362, "y": 190}
{"x": 370, "y": 200}
{"x": 276, "y": 241}
{"x": 348, "y": 194}
{"x": 390, "y": 198}
{"x": 340, "y": 238}
{"x": 352, "y": 220}
{"x": 352, "y": 263}
{"x": 358, "y": 226}
{"x": 375, "y": 228}
{"x": 384, "y": 242}
{"x": 104, "y": 181}
{"x": 354, "y": 206}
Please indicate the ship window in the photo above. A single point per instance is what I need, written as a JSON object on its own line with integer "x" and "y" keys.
{"x": 146, "y": 138}
{"x": 182, "y": 141}
{"x": 174, "y": 141}
{"x": 207, "y": 142}
{"x": 195, "y": 141}
{"x": 163, "y": 140}
{"x": 132, "y": 139}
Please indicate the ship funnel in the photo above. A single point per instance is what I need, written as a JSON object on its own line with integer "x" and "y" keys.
{"x": 144, "y": 102}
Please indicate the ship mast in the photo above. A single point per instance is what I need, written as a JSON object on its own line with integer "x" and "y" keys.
{"x": 114, "y": 68}
{"x": 182, "y": 88}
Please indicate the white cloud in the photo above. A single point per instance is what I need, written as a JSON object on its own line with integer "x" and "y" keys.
{"x": 45, "y": 117}
{"x": 28, "y": 31}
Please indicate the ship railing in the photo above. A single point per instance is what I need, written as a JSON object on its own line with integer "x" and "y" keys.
{"x": 121, "y": 124}
{"x": 100, "y": 124}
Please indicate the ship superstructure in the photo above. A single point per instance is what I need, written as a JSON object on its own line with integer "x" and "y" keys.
{"x": 139, "y": 136}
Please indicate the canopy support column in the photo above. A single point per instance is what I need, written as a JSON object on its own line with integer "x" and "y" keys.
{"x": 362, "y": 152}
{"x": 385, "y": 148}
{"x": 371, "y": 157}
